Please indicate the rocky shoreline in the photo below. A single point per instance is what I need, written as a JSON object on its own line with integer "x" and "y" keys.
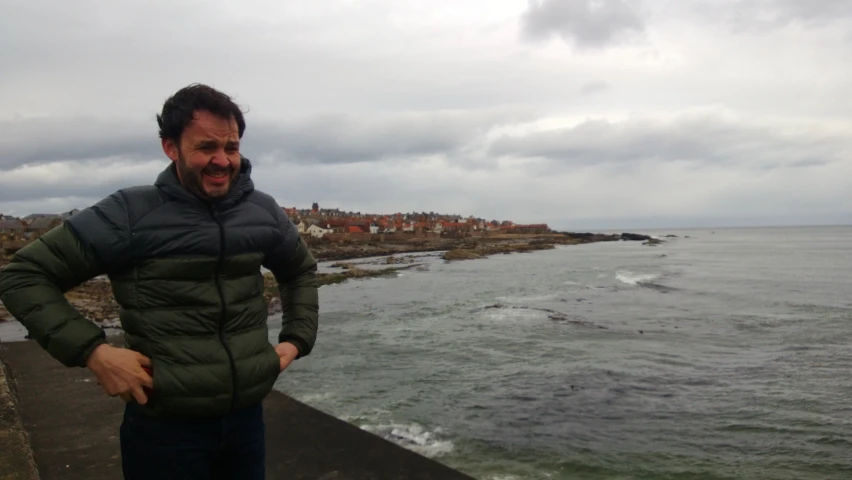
{"x": 94, "y": 298}
{"x": 482, "y": 246}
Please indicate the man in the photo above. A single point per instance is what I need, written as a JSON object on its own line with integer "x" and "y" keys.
{"x": 184, "y": 258}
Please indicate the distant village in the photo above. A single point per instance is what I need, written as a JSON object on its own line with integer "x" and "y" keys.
{"x": 319, "y": 222}
{"x": 15, "y": 232}
{"x": 316, "y": 224}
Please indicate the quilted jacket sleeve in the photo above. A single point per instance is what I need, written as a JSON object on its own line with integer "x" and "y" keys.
{"x": 32, "y": 288}
{"x": 295, "y": 270}
{"x": 33, "y": 285}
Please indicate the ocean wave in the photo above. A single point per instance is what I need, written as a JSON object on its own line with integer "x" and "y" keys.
{"x": 413, "y": 437}
{"x": 310, "y": 398}
{"x": 631, "y": 278}
{"x": 370, "y": 416}
{"x": 527, "y": 298}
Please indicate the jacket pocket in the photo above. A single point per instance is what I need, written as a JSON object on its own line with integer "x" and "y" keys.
{"x": 157, "y": 390}
{"x": 275, "y": 362}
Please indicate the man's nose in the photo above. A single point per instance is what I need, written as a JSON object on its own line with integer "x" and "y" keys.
{"x": 220, "y": 159}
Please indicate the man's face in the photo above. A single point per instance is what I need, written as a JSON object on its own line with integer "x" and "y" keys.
{"x": 208, "y": 157}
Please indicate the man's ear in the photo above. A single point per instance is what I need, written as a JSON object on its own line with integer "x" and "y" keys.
{"x": 170, "y": 149}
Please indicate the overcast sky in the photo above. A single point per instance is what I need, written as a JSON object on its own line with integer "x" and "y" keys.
{"x": 581, "y": 113}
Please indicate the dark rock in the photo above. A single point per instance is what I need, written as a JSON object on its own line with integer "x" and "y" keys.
{"x": 461, "y": 254}
{"x": 635, "y": 237}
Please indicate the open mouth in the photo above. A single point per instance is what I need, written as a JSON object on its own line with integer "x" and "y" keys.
{"x": 217, "y": 173}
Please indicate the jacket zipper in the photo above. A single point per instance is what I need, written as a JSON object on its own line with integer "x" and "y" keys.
{"x": 223, "y": 313}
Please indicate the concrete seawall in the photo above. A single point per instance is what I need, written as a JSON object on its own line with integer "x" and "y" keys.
{"x": 57, "y": 420}
{"x": 16, "y": 461}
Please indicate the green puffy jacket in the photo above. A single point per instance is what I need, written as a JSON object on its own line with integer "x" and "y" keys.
{"x": 187, "y": 276}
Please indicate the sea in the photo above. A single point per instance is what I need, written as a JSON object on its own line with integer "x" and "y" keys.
{"x": 719, "y": 354}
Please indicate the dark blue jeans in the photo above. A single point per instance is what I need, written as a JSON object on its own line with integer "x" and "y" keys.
{"x": 226, "y": 447}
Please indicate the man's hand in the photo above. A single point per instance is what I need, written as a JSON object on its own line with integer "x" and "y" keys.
{"x": 287, "y": 352}
{"x": 120, "y": 372}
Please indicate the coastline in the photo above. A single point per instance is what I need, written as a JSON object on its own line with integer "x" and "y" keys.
{"x": 39, "y": 439}
{"x": 94, "y": 298}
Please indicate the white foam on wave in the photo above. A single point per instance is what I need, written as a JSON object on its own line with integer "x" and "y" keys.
{"x": 315, "y": 397}
{"x": 520, "y": 299}
{"x": 366, "y": 417}
{"x": 413, "y": 437}
{"x": 632, "y": 278}
{"x": 511, "y": 315}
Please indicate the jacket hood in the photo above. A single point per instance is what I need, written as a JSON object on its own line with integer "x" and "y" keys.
{"x": 170, "y": 183}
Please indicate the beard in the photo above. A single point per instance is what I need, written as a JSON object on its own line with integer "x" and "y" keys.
{"x": 192, "y": 179}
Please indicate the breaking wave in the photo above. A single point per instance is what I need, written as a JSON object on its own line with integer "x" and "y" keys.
{"x": 413, "y": 437}
{"x": 631, "y": 278}
{"x": 645, "y": 280}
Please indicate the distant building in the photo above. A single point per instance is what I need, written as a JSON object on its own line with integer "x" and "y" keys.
{"x": 42, "y": 225}
{"x": 335, "y": 225}
{"x": 316, "y": 231}
{"x": 12, "y": 226}
{"x": 36, "y": 216}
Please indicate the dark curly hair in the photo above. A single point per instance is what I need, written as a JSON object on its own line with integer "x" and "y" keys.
{"x": 179, "y": 109}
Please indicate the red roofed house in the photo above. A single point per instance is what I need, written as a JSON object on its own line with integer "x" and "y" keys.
{"x": 336, "y": 226}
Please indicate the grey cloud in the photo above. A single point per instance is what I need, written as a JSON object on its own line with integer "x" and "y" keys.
{"x": 815, "y": 9}
{"x": 586, "y": 23}
{"x": 810, "y": 162}
{"x": 44, "y": 140}
{"x": 750, "y": 15}
{"x": 592, "y": 88}
{"x": 348, "y": 139}
{"x": 318, "y": 139}
{"x": 16, "y": 192}
{"x": 697, "y": 138}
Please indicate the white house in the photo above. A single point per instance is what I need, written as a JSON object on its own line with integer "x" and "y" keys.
{"x": 317, "y": 231}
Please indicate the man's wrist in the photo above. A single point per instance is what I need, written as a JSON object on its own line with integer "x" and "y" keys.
{"x": 90, "y": 353}
{"x": 294, "y": 351}
{"x": 295, "y": 341}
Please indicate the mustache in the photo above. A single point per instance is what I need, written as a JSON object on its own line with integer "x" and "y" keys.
{"x": 217, "y": 169}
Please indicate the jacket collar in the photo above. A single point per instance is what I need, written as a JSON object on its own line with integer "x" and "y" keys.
{"x": 168, "y": 181}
